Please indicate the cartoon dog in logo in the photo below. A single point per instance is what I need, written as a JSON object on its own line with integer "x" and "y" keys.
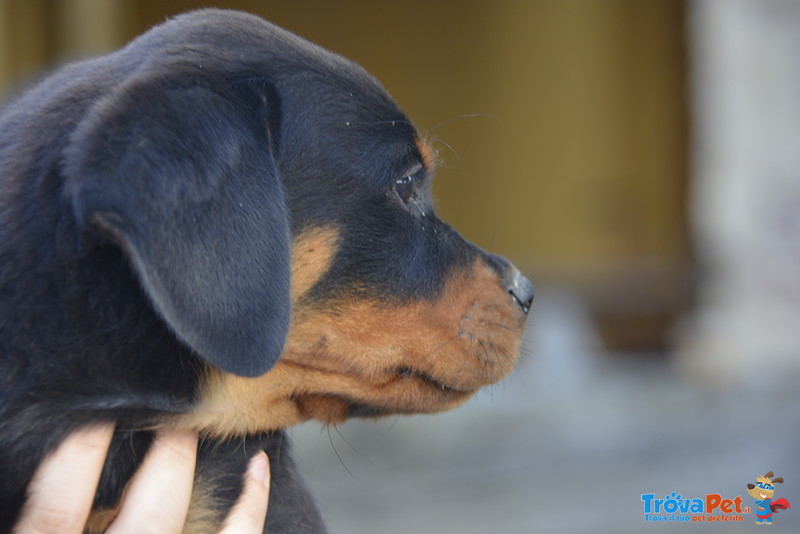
{"x": 762, "y": 491}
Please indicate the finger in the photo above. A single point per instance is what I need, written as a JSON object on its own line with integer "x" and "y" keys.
{"x": 62, "y": 490}
{"x": 248, "y": 515}
{"x": 158, "y": 496}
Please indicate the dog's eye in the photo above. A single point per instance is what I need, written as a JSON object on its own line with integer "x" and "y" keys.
{"x": 405, "y": 187}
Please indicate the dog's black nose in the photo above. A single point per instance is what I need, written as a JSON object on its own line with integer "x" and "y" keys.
{"x": 520, "y": 289}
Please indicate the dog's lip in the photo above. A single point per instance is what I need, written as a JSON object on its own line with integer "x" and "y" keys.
{"x": 411, "y": 373}
{"x": 402, "y": 372}
{"x": 439, "y": 395}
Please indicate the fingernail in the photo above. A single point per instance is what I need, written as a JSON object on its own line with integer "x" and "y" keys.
{"x": 259, "y": 466}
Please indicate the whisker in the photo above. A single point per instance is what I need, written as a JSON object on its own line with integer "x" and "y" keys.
{"x": 393, "y": 122}
{"x": 486, "y": 356}
{"x": 389, "y": 430}
{"x": 461, "y": 117}
{"x": 280, "y": 447}
{"x": 369, "y": 461}
{"x": 465, "y": 361}
{"x": 443, "y": 345}
{"x": 491, "y": 243}
{"x": 500, "y": 325}
{"x": 500, "y": 352}
{"x": 341, "y": 461}
{"x": 448, "y": 145}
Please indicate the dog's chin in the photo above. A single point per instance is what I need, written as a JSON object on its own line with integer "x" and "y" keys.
{"x": 294, "y": 392}
{"x": 409, "y": 393}
{"x": 334, "y": 410}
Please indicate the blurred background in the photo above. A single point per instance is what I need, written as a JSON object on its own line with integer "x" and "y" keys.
{"x": 639, "y": 160}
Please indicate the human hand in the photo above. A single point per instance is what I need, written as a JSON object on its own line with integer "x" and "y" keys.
{"x": 157, "y": 499}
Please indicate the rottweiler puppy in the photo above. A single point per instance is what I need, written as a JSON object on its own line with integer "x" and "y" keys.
{"x": 225, "y": 228}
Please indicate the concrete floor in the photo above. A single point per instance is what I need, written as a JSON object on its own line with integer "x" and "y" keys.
{"x": 567, "y": 444}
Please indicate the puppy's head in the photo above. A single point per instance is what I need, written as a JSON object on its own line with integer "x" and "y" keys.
{"x": 276, "y": 206}
{"x": 393, "y": 311}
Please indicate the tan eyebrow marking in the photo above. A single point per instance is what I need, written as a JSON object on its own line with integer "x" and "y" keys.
{"x": 428, "y": 155}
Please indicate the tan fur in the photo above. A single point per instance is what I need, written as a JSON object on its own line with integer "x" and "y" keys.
{"x": 99, "y": 520}
{"x": 428, "y": 155}
{"x": 312, "y": 253}
{"x": 202, "y": 516}
{"x": 424, "y": 356}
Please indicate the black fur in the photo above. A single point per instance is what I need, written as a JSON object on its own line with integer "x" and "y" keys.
{"x": 147, "y": 200}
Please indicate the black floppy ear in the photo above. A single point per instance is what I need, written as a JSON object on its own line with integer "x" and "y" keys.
{"x": 179, "y": 170}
